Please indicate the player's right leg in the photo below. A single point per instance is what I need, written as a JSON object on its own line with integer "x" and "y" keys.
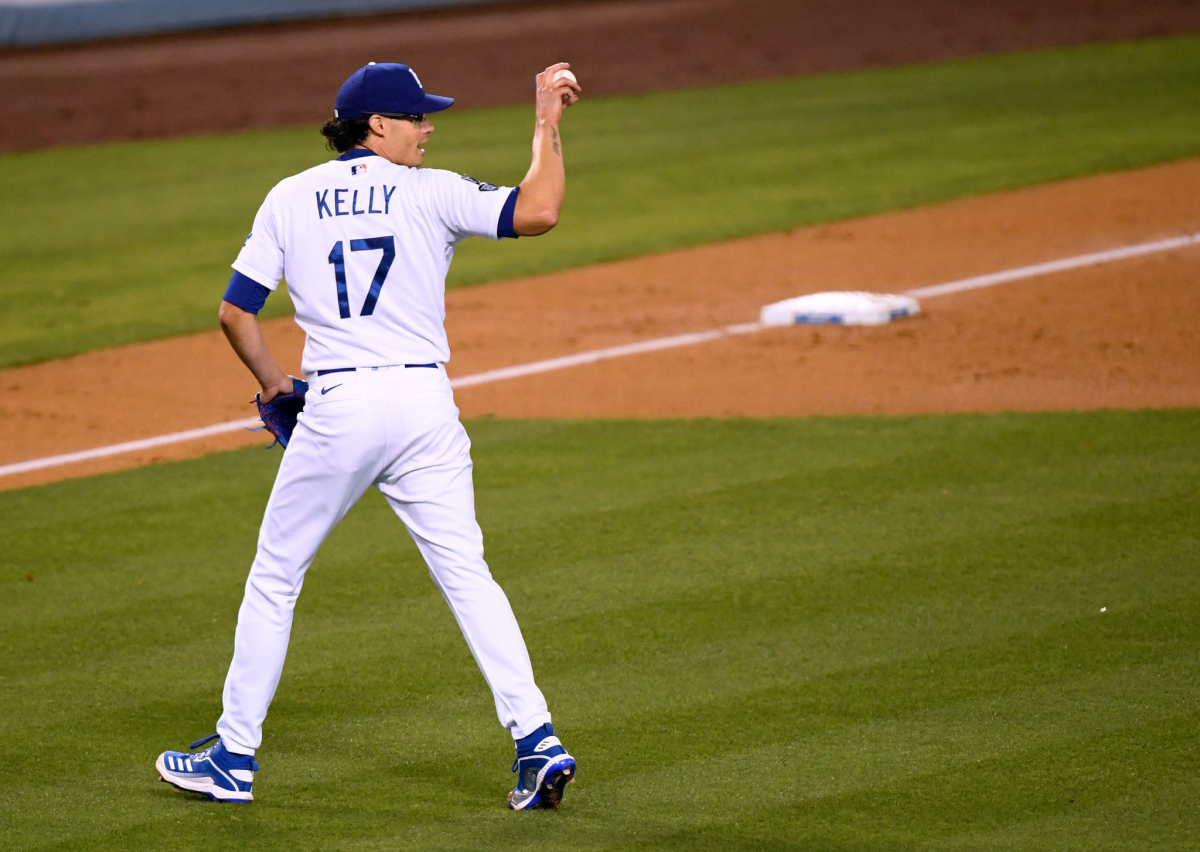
{"x": 430, "y": 487}
{"x": 333, "y": 457}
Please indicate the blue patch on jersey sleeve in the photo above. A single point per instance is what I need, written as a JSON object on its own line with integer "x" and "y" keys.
{"x": 505, "y": 228}
{"x": 246, "y": 293}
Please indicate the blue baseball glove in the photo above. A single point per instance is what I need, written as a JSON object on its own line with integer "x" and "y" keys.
{"x": 279, "y": 415}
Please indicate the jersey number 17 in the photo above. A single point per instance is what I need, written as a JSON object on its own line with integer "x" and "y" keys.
{"x": 337, "y": 257}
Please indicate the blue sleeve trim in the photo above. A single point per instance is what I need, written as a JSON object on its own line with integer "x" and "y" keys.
{"x": 505, "y": 228}
{"x": 246, "y": 293}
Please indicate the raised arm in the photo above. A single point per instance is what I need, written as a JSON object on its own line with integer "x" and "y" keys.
{"x": 542, "y": 190}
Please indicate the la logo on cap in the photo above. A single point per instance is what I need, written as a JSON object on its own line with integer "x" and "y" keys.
{"x": 386, "y": 88}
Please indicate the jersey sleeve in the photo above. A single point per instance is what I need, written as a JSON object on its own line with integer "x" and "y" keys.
{"x": 471, "y": 208}
{"x": 261, "y": 257}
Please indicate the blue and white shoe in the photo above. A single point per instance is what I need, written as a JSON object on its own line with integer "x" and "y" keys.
{"x": 214, "y": 772}
{"x": 542, "y": 774}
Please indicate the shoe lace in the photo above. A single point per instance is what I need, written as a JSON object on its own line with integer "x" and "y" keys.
{"x": 201, "y": 742}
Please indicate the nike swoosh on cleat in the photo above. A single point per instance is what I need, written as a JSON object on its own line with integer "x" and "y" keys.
{"x": 327, "y": 390}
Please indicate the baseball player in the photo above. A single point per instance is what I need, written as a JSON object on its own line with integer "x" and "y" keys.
{"x": 365, "y": 242}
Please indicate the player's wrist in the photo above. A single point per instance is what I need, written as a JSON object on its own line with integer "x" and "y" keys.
{"x": 276, "y": 387}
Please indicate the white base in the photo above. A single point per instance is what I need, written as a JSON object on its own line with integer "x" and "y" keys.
{"x": 841, "y": 308}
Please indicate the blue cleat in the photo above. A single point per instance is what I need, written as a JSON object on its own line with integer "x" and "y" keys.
{"x": 214, "y": 772}
{"x": 543, "y": 771}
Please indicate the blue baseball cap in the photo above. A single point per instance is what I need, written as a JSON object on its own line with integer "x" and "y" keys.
{"x": 382, "y": 88}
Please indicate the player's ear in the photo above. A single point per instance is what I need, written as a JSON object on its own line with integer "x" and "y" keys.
{"x": 376, "y": 124}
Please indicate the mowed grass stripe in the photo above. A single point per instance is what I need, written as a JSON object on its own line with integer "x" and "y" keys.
{"x": 118, "y": 243}
{"x": 828, "y": 633}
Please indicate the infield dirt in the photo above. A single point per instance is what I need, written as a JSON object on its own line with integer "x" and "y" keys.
{"x": 284, "y": 74}
{"x": 1118, "y": 336}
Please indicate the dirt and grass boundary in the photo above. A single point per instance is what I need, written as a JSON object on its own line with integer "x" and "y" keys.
{"x": 275, "y": 75}
{"x": 1117, "y": 336}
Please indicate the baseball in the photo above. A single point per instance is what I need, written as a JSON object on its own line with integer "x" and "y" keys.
{"x": 564, "y": 74}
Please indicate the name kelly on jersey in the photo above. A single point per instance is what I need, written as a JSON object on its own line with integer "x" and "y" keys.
{"x": 333, "y": 202}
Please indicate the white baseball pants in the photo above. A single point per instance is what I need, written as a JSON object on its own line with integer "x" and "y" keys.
{"x": 395, "y": 428}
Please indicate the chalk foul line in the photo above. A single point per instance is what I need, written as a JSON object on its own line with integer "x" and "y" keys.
{"x": 562, "y": 363}
{"x": 602, "y": 355}
{"x": 130, "y": 446}
{"x": 1077, "y": 262}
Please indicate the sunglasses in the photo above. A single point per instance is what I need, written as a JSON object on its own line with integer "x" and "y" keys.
{"x": 414, "y": 117}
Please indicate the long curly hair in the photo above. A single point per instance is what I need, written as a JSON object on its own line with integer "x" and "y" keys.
{"x": 342, "y": 135}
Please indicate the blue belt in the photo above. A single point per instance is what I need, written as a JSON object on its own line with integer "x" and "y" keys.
{"x": 352, "y": 369}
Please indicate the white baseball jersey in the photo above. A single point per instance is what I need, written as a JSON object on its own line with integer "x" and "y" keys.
{"x": 365, "y": 245}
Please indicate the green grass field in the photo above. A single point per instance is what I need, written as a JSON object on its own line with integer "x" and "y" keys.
{"x": 824, "y": 634}
{"x": 112, "y": 244}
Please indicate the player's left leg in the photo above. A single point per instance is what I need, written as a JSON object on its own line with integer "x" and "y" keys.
{"x": 332, "y": 459}
{"x": 334, "y": 456}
